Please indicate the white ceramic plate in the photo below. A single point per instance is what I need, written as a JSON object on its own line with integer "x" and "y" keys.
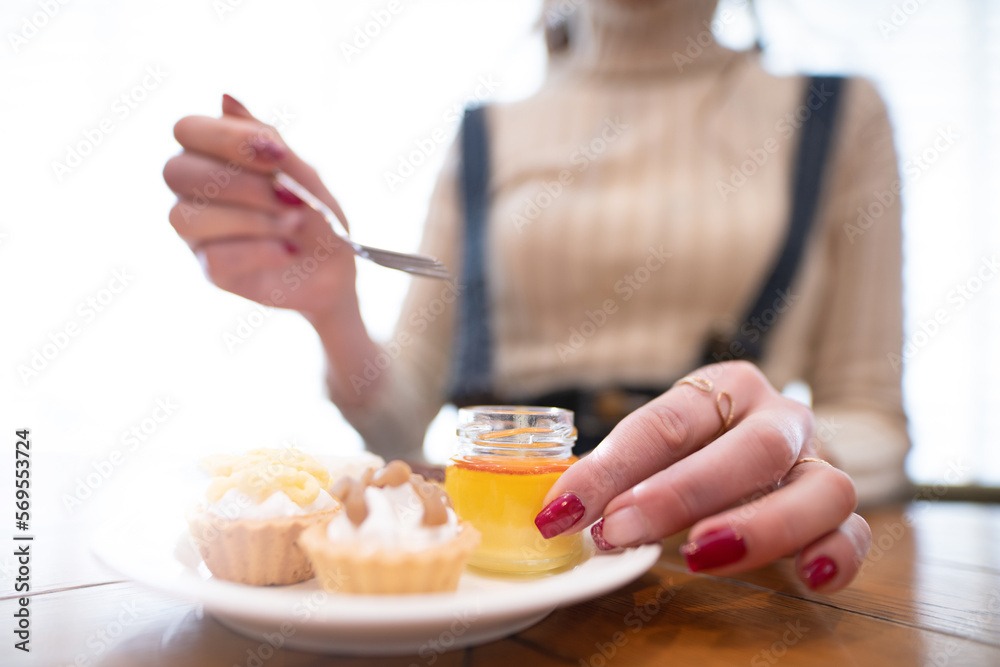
{"x": 157, "y": 552}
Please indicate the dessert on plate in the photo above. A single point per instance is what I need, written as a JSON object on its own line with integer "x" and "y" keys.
{"x": 350, "y": 465}
{"x": 397, "y": 534}
{"x": 255, "y": 508}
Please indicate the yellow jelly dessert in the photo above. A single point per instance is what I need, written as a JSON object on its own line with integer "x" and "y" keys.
{"x": 500, "y": 496}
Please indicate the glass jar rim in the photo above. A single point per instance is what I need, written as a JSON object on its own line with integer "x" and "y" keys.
{"x": 515, "y": 426}
{"x": 515, "y": 409}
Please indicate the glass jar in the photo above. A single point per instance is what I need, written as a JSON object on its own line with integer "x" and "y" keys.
{"x": 506, "y": 460}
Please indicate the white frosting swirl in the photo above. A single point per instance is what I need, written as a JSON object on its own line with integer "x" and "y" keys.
{"x": 234, "y": 504}
{"x": 394, "y": 522}
{"x": 350, "y": 466}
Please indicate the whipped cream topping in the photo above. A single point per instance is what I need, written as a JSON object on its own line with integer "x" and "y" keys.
{"x": 234, "y": 504}
{"x": 353, "y": 465}
{"x": 394, "y": 522}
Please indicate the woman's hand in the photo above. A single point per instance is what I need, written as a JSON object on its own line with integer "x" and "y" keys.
{"x": 747, "y": 495}
{"x": 254, "y": 240}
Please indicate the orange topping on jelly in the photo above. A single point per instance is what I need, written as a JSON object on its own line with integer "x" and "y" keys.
{"x": 505, "y": 465}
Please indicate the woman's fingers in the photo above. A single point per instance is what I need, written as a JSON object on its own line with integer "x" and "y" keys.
{"x": 205, "y": 180}
{"x": 832, "y": 561}
{"x": 233, "y": 107}
{"x": 241, "y": 266}
{"x": 238, "y": 142}
{"x": 744, "y": 463}
{"x": 242, "y": 141}
{"x": 815, "y": 503}
{"x": 654, "y": 437}
{"x": 254, "y": 237}
{"x": 198, "y": 226}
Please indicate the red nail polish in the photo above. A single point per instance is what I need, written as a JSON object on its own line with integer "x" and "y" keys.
{"x": 291, "y": 248}
{"x": 560, "y": 515}
{"x": 268, "y": 149}
{"x": 286, "y": 196}
{"x": 819, "y": 572}
{"x": 597, "y": 532}
{"x": 714, "y": 549}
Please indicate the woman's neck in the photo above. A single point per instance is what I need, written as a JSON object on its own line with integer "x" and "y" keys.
{"x": 624, "y": 37}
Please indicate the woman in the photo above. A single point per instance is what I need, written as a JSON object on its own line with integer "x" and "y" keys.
{"x": 667, "y": 165}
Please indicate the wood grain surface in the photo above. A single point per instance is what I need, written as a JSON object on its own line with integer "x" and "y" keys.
{"x": 929, "y": 594}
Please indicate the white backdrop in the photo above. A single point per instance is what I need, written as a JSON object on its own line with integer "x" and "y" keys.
{"x": 69, "y": 227}
{"x": 92, "y": 89}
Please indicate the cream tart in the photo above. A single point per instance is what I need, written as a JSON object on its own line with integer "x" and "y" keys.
{"x": 256, "y": 506}
{"x": 397, "y": 534}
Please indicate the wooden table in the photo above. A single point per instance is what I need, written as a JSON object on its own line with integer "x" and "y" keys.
{"x": 929, "y": 594}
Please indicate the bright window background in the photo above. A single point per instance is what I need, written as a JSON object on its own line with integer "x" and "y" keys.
{"x": 937, "y": 65}
{"x": 163, "y": 337}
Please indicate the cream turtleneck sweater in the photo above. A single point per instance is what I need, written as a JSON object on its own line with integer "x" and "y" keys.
{"x": 651, "y": 182}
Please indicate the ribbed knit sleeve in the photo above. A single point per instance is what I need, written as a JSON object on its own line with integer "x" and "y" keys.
{"x": 854, "y": 372}
{"x": 414, "y": 364}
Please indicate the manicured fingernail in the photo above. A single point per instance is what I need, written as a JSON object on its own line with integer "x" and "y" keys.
{"x": 291, "y": 248}
{"x": 268, "y": 149}
{"x": 597, "y": 532}
{"x": 626, "y": 526}
{"x": 714, "y": 549}
{"x": 819, "y": 571}
{"x": 286, "y": 196}
{"x": 560, "y": 515}
{"x": 234, "y": 103}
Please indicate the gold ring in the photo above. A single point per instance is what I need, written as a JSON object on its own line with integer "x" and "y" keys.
{"x": 701, "y": 384}
{"x": 696, "y": 382}
{"x": 804, "y": 459}
{"x": 811, "y": 459}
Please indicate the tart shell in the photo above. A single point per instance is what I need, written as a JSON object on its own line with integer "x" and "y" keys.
{"x": 344, "y": 568}
{"x": 258, "y": 552}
